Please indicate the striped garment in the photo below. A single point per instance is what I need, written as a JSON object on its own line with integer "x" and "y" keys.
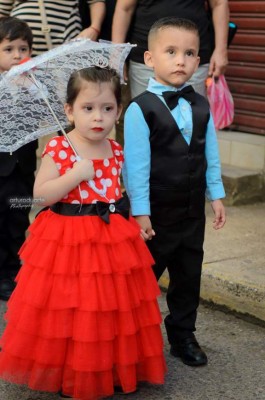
{"x": 62, "y": 16}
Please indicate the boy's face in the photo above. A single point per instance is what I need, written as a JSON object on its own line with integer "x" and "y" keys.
{"x": 12, "y": 52}
{"x": 173, "y": 54}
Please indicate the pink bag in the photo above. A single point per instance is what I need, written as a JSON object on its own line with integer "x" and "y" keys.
{"x": 221, "y": 102}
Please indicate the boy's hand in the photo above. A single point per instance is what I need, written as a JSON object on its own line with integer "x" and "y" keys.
{"x": 219, "y": 212}
{"x": 146, "y": 227}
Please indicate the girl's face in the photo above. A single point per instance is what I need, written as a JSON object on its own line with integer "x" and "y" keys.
{"x": 94, "y": 111}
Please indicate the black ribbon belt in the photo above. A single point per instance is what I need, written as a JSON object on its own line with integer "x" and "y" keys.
{"x": 100, "y": 208}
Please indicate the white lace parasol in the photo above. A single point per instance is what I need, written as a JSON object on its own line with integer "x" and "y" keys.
{"x": 32, "y": 94}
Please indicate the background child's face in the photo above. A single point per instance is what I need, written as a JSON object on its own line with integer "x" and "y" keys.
{"x": 12, "y": 52}
{"x": 173, "y": 55}
{"x": 94, "y": 111}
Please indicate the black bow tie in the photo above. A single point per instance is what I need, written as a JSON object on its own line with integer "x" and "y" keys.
{"x": 171, "y": 97}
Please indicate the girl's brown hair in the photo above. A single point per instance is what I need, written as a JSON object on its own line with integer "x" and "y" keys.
{"x": 96, "y": 75}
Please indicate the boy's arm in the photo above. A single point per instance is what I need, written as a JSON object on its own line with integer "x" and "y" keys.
{"x": 147, "y": 231}
{"x": 136, "y": 170}
{"x": 215, "y": 189}
{"x": 219, "y": 214}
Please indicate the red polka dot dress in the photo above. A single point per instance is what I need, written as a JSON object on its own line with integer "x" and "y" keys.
{"x": 84, "y": 316}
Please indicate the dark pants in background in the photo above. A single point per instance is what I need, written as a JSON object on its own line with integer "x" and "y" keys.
{"x": 15, "y": 192}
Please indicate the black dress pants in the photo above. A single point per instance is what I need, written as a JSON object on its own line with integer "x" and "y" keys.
{"x": 179, "y": 248}
{"x": 15, "y": 191}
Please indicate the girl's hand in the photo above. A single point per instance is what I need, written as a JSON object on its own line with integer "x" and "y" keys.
{"x": 84, "y": 170}
{"x": 146, "y": 227}
{"x": 219, "y": 212}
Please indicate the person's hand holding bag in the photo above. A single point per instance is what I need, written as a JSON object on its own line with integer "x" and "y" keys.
{"x": 221, "y": 102}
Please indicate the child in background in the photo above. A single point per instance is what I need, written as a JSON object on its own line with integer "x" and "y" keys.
{"x": 84, "y": 318}
{"x": 171, "y": 161}
{"x": 17, "y": 168}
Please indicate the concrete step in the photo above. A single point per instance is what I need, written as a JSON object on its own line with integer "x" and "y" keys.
{"x": 243, "y": 186}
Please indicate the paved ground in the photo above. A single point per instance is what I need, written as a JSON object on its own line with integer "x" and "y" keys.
{"x": 236, "y": 369}
{"x": 234, "y": 261}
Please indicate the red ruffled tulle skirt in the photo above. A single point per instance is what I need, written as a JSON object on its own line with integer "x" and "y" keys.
{"x": 84, "y": 316}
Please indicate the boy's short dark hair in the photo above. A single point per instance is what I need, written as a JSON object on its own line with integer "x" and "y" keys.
{"x": 12, "y": 28}
{"x": 173, "y": 22}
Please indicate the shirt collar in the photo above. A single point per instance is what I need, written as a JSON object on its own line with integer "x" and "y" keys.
{"x": 158, "y": 88}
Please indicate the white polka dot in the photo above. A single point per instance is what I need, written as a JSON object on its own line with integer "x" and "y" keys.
{"x": 94, "y": 201}
{"x": 99, "y": 173}
{"x": 65, "y": 143}
{"x": 58, "y": 165}
{"x": 111, "y": 201}
{"x": 106, "y": 162}
{"x": 51, "y": 153}
{"x": 53, "y": 143}
{"x": 115, "y": 143}
{"x": 117, "y": 152}
{"x": 114, "y": 171}
{"x": 84, "y": 194}
{"x": 72, "y": 158}
{"x": 75, "y": 202}
{"x": 108, "y": 182}
{"x": 62, "y": 155}
{"x": 117, "y": 192}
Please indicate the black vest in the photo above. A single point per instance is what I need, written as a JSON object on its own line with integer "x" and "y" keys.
{"x": 178, "y": 170}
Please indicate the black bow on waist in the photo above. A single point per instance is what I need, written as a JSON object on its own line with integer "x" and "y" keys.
{"x": 100, "y": 208}
{"x": 172, "y": 97}
{"x": 119, "y": 207}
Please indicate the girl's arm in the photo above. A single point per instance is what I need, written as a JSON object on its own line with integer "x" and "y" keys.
{"x": 51, "y": 187}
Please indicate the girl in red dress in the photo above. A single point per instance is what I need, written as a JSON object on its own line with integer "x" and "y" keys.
{"x": 84, "y": 318}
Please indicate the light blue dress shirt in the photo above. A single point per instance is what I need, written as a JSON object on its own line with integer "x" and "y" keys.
{"x": 136, "y": 170}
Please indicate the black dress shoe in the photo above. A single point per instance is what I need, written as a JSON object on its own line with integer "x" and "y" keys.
{"x": 189, "y": 351}
{"x": 6, "y": 288}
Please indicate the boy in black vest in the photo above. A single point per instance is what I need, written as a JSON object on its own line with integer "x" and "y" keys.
{"x": 171, "y": 163}
{"x": 16, "y": 169}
